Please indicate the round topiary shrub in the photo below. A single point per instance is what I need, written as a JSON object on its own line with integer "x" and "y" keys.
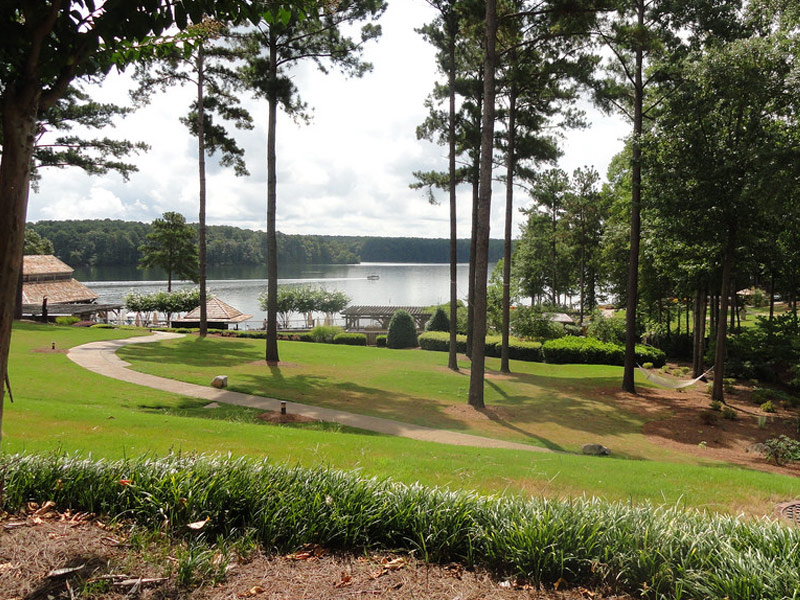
{"x": 439, "y": 321}
{"x": 402, "y": 331}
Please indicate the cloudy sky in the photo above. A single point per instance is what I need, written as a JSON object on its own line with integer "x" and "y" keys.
{"x": 345, "y": 173}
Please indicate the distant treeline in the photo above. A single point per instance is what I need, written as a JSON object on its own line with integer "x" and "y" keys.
{"x": 110, "y": 242}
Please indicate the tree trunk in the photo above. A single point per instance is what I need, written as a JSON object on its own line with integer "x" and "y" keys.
{"x": 582, "y": 282}
{"x": 452, "y": 361}
{"x": 19, "y": 129}
{"x": 18, "y": 303}
{"x": 272, "y": 240}
{"x": 772, "y": 295}
{"x": 718, "y": 392}
{"x": 511, "y": 165}
{"x": 201, "y": 162}
{"x": 636, "y": 223}
{"x": 553, "y": 255}
{"x": 484, "y": 212}
{"x": 697, "y": 360}
{"x": 472, "y": 246}
{"x": 733, "y": 305}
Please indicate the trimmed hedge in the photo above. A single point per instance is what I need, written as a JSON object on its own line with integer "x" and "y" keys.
{"x": 439, "y": 341}
{"x": 350, "y": 339}
{"x": 380, "y": 341}
{"x": 590, "y": 351}
{"x": 439, "y": 321}
{"x": 402, "y": 331}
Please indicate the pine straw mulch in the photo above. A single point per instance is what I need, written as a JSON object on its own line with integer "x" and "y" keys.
{"x": 47, "y": 555}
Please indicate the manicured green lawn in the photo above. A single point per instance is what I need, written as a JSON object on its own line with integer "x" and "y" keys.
{"x": 60, "y": 406}
{"x": 560, "y": 407}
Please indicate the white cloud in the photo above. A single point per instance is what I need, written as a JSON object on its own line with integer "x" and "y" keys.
{"x": 346, "y": 173}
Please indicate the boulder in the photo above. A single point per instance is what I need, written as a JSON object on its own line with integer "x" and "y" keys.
{"x": 595, "y": 450}
{"x": 220, "y": 381}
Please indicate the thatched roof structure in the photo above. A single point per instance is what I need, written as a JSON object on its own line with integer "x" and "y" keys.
{"x": 217, "y": 311}
{"x": 45, "y": 276}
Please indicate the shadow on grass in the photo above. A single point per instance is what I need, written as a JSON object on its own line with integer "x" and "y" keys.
{"x": 189, "y": 351}
{"x": 230, "y": 413}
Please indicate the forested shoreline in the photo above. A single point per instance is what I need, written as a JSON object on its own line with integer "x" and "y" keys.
{"x": 112, "y": 242}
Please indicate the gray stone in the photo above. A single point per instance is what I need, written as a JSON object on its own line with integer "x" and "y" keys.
{"x": 757, "y": 448}
{"x": 220, "y": 381}
{"x": 595, "y": 450}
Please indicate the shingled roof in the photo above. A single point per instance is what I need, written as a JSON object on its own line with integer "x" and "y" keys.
{"x": 217, "y": 311}
{"x": 44, "y": 264}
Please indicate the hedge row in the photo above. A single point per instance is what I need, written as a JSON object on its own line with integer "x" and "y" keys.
{"x": 570, "y": 349}
{"x": 350, "y": 339}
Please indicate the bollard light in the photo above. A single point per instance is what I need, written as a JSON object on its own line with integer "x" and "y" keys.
{"x": 283, "y": 407}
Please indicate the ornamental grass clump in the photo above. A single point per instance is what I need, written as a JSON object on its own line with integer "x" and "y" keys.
{"x": 667, "y": 553}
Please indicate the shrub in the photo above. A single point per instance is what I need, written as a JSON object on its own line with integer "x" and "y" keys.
{"x": 66, "y": 320}
{"x": 103, "y": 326}
{"x": 610, "y": 329}
{"x": 716, "y": 405}
{"x": 439, "y": 321}
{"x": 306, "y": 337}
{"x": 530, "y": 323}
{"x": 402, "y": 331}
{"x": 577, "y": 350}
{"x": 380, "y": 341}
{"x": 522, "y": 350}
{"x": 729, "y": 413}
{"x": 647, "y": 365}
{"x": 782, "y": 449}
{"x": 439, "y": 341}
{"x": 350, "y": 339}
{"x": 768, "y": 406}
{"x": 324, "y": 334}
{"x": 728, "y": 385}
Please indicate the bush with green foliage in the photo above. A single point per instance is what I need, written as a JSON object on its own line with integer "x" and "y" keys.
{"x": 715, "y": 405}
{"x": 439, "y": 321}
{"x": 607, "y": 329}
{"x": 350, "y": 339}
{"x": 577, "y": 350}
{"x": 647, "y": 365}
{"x": 669, "y": 551}
{"x": 402, "y": 331}
{"x": 782, "y": 449}
{"x": 439, "y": 341}
{"x": 529, "y": 322}
{"x": 380, "y": 341}
{"x": 106, "y": 326}
{"x": 67, "y": 320}
{"x": 729, "y": 413}
{"x": 768, "y": 407}
{"x": 324, "y": 334}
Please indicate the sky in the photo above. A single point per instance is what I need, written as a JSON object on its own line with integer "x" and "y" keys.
{"x": 347, "y": 172}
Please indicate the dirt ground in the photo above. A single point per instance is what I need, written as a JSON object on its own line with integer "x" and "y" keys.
{"x": 46, "y": 555}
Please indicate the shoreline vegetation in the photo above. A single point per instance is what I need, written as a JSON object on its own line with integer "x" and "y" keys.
{"x": 113, "y": 242}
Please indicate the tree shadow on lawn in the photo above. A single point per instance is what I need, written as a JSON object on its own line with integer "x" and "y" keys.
{"x": 580, "y": 415}
{"x": 189, "y": 351}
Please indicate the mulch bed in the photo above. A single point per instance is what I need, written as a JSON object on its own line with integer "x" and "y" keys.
{"x": 47, "y": 555}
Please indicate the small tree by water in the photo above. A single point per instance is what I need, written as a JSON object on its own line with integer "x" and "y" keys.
{"x": 402, "y": 331}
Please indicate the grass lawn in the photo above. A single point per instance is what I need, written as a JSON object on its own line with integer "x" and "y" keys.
{"x": 560, "y": 407}
{"x": 58, "y": 405}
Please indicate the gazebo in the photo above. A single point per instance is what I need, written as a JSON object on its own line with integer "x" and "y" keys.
{"x": 219, "y": 315}
{"x": 354, "y": 315}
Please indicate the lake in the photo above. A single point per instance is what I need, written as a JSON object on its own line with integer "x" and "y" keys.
{"x": 398, "y": 284}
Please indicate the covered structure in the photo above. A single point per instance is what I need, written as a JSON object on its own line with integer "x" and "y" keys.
{"x": 45, "y": 276}
{"x": 361, "y": 316}
{"x": 219, "y": 315}
{"x": 562, "y": 318}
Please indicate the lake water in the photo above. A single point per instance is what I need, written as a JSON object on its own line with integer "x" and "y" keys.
{"x": 397, "y": 284}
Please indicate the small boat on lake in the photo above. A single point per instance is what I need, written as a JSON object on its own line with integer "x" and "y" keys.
{"x": 373, "y": 276}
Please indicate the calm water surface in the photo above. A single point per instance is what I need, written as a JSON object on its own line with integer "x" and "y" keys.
{"x": 398, "y": 284}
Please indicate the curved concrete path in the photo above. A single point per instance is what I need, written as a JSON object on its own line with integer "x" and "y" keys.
{"x": 101, "y": 358}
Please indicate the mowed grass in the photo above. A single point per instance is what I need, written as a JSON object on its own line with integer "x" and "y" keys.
{"x": 60, "y": 406}
{"x": 560, "y": 407}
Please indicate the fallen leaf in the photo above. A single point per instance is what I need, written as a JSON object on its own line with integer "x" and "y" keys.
{"x": 14, "y": 524}
{"x": 198, "y": 524}
{"x": 395, "y": 564}
{"x": 559, "y": 582}
{"x": 45, "y": 508}
{"x": 64, "y": 571}
{"x": 505, "y": 585}
{"x": 139, "y": 581}
{"x": 253, "y": 591}
{"x": 309, "y": 552}
{"x": 344, "y": 581}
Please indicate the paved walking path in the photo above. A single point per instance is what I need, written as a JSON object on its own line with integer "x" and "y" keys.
{"x": 101, "y": 358}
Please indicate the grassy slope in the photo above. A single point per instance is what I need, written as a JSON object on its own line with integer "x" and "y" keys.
{"x": 61, "y": 406}
{"x": 560, "y": 407}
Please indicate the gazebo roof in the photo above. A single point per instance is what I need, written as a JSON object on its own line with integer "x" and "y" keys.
{"x": 218, "y": 312}
{"x": 44, "y": 264}
{"x": 57, "y": 292}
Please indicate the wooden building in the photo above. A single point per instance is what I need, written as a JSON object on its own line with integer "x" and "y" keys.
{"x": 44, "y": 276}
